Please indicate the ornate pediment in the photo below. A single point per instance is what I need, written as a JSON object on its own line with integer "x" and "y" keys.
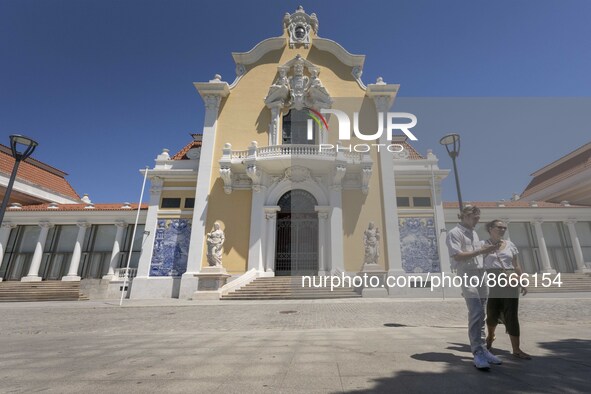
{"x": 299, "y": 25}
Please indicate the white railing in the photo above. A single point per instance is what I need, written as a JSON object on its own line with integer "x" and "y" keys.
{"x": 290, "y": 150}
{"x": 243, "y": 280}
{"x": 120, "y": 273}
{"x": 239, "y": 154}
{"x": 282, "y": 150}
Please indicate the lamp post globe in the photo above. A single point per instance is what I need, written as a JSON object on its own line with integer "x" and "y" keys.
{"x": 21, "y": 148}
{"x": 452, "y": 145}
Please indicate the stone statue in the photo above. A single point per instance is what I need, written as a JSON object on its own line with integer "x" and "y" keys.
{"x": 279, "y": 91}
{"x": 371, "y": 242}
{"x": 298, "y": 84}
{"x": 215, "y": 240}
{"x": 318, "y": 96}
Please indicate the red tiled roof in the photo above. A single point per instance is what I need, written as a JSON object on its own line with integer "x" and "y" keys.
{"x": 37, "y": 173}
{"x": 182, "y": 154}
{"x": 78, "y": 207}
{"x": 412, "y": 153}
{"x": 509, "y": 204}
{"x": 556, "y": 171}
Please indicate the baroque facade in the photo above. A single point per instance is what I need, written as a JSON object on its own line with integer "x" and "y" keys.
{"x": 292, "y": 195}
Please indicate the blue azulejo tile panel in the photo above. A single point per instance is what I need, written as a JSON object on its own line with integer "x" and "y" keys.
{"x": 171, "y": 247}
{"x": 418, "y": 243}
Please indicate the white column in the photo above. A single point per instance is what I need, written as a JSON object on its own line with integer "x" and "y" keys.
{"x": 145, "y": 261}
{"x": 33, "y": 275}
{"x": 546, "y": 267}
{"x": 271, "y": 233}
{"x": 581, "y": 268}
{"x": 121, "y": 226}
{"x": 337, "y": 263}
{"x": 4, "y": 235}
{"x": 72, "y": 275}
{"x": 212, "y": 97}
{"x": 323, "y": 215}
{"x": 439, "y": 217}
{"x": 393, "y": 258}
{"x": 255, "y": 244}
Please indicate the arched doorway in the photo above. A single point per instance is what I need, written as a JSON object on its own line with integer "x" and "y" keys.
{"x": 296, "y": 247}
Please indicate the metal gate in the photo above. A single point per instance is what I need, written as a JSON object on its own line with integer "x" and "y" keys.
{"x": 296, "y": 247}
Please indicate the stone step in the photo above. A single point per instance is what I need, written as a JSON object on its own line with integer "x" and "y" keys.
{"x": 40, "y": 291}
{"x": 287, "y": 287}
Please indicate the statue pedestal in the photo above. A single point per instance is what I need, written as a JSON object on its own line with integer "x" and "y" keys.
{"x": 211, "y": 279}
{"x": 376, "y": 281}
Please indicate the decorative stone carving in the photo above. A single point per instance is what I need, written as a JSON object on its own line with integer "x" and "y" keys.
{"x": 299, "y": 25}
{"x": 279, "y": 91}
{"x": 215, "y": 241}
{"x": 255, "y": 174}
{"x": 296, "y": 174}
{"x": 403, "y": 154}
{"x": 365, "y": 177}
{"x": 298, "y": 84}
{"x": 357, "y": 72}
{"x": 212, "y": 102}
{"x": 156, "y": 185}
{"x": 298, "y": 90}
{"x": 194, "y": 153}
{"x": 318, "y": 95}
{"x": 338, "y": 175}
{"x": 240, "y": 70}
{"x": 226, "y": 175}
{"x": 371, "y": 243}
{"x": 382, "y": 103}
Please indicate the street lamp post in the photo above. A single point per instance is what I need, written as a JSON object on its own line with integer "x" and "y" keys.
{"x": 452, "y": 145}
{"x": 22, "y": 147}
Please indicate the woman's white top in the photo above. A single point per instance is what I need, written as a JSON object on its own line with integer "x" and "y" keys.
{"x": 502, "y": 258}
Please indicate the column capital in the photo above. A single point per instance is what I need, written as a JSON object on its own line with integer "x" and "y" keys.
{"x": 8, "y": 225}
{"x": 570, "y": 221}
{"x": 45, "y": 224}
{"x": 156, "y": 184}
{"x": 121, "y": 223}
{"x": 83, "y": 224}
{"x": 538, "y": 221}
{"x": 212, "y": 101}
{"x": 271, "y": 211}
{"x": 506, "y": 220}
{"x": 323, "y": 211}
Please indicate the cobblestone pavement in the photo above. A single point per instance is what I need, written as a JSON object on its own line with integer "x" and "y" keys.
{"x": 379, "y": 345}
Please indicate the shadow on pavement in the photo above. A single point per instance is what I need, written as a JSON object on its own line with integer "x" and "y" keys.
{"x": 564, "y": 368}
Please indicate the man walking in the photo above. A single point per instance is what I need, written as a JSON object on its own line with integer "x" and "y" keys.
{"x": 466, "y": 252}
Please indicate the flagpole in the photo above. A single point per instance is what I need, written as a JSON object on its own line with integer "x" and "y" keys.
{"x": 130, "y": 252}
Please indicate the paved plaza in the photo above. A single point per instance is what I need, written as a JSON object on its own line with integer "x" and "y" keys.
{"x": 316, "y": 346}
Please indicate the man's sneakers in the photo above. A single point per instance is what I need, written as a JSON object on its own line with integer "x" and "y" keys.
{"x": 480, "y": 360}
{"x": 491, "y": 358}
{"x": 483, "y": 359}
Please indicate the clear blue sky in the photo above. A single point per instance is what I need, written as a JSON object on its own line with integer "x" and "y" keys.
{"x": 105, "y": 85}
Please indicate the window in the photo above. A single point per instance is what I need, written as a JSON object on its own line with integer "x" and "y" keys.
{"x": 295, "y": 128}
{"x": 403, "y": 201}
{"x": 189, "y": 203}
{"x": 421, "y": 201}
{"x": 171, "y": 203}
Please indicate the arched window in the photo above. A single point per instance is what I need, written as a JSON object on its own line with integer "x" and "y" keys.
{"x": 295, "y": 128}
